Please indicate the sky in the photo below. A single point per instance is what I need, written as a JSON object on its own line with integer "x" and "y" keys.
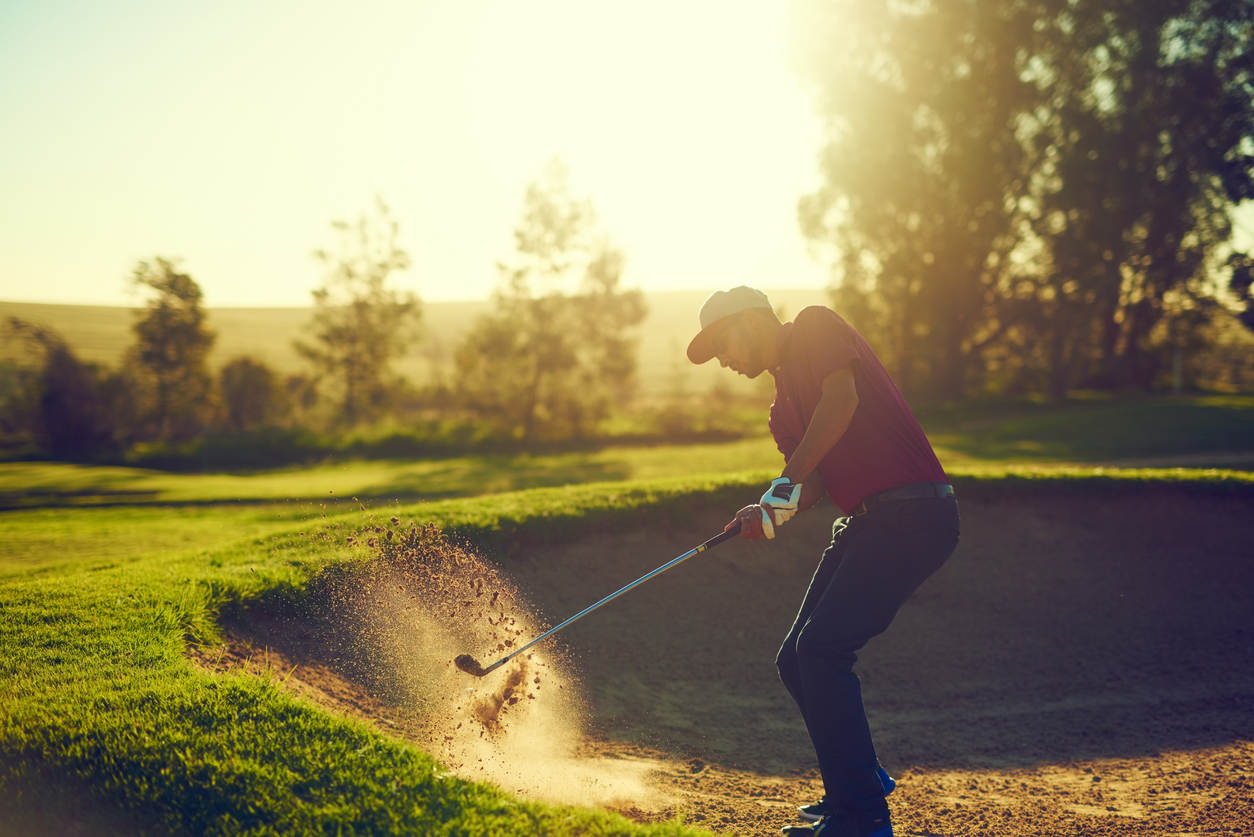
{"x": 231, "y": 134}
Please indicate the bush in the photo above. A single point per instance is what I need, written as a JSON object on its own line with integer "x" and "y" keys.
{"x": 251, "y": 396}
{"x": 59, "y": 405}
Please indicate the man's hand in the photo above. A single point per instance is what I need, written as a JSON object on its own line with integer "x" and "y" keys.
{"x": 755, "y": 522}
{"x": 782, "y": 499}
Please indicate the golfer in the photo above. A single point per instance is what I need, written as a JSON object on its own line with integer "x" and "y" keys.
{"x": 845, "y": 431}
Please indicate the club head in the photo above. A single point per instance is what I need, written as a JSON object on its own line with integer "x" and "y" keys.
{"x": 470, "y": 665}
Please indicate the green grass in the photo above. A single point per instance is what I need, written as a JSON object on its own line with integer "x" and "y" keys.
{"x": 63, "y": 539}
{"x": 24, "y": 484}
{"x": 1093, "y": 429}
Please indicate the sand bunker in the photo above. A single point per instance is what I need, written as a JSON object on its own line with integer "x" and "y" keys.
{"x": 1081, "y": 665}
{"x": 396, "y": 625}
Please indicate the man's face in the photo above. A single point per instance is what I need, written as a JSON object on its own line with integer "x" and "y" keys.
{"x": 736, "y": 347}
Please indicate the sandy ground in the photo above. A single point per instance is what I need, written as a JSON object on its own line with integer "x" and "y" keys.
{"x": 1079, "y": 666}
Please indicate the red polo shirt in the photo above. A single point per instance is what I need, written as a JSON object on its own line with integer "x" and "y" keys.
{"x": 884, "y": 446}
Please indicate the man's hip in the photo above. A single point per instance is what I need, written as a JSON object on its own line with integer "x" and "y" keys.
{"x": 902, "y": 493}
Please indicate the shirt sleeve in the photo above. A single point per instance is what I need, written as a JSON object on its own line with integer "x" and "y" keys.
{"x": 826, "y": 341}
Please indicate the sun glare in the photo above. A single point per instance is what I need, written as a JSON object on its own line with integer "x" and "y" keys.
{"x": 232, "y": 137}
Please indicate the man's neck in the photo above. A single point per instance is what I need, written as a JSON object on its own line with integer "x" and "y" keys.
{"x": 770, "y": 333}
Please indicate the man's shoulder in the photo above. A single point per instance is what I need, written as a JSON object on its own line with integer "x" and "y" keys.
{"x": 818, "y": 317}
{"x": 814, "y": 311}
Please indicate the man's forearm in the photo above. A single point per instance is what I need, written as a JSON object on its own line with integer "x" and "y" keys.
{"x": 812, "y": 490}
{"x": 831, "y": 419}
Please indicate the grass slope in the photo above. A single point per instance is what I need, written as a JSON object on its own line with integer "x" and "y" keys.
{"x": 63, "y": 539}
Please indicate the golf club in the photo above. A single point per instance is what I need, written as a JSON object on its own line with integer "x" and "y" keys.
{"x": 470, "y": 665}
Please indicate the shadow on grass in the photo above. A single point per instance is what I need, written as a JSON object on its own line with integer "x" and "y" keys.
{"x": 1093, "y": 430}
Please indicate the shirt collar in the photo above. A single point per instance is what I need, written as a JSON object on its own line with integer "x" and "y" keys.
{"x": 781, "y": 342}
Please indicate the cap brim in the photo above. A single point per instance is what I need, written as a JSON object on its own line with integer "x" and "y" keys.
{"x": 701, "y": 349}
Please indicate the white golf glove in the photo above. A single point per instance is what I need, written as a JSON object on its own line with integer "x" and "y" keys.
{"x": 783, "y": 497}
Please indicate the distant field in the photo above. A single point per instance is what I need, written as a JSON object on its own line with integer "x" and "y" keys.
{"x": 101, "y": 334}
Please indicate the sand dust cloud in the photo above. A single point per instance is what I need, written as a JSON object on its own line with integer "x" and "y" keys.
{"x": 407, "y": 615}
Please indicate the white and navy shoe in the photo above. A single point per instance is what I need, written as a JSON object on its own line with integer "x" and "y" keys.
{"x": 815, "y": 811}
{"x": 833, "y": 826}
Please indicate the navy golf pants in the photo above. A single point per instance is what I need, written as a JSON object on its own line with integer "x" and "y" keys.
{"x": 874, "y": 563}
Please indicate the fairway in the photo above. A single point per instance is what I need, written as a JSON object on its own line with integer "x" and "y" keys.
{"x": 1163, "y": 432}
{"x": 24, "y": 484}
{"x": 1146, "y": 431}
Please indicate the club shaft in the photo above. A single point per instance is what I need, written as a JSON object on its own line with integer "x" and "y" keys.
{"x": 714, "y": 541}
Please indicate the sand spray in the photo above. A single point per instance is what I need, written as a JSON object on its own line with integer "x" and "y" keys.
{"x": 425, "y": 600}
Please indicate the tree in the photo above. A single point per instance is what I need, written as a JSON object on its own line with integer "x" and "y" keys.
{"x": 172, "y": 345}
{"x": 67, "y": 408}
{"x": 555, "y": 355}
{"x": 1024, "y": 190}
{"x": 251, "y": 395}
{"x": 1144, "y": 156}
{"x": 360, "y": 325}
{"x": 922, "y": 170}
{"x": 1241, "y": 284}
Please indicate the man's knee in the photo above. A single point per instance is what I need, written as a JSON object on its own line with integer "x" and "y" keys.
{"x": 823, "y": 646}
{"x": 786, "y": 662}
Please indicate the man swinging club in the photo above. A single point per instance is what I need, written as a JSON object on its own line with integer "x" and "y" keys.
{"x": 844, "y": 430}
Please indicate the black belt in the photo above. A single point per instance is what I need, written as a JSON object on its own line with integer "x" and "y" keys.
{"x": 914, "y": 491}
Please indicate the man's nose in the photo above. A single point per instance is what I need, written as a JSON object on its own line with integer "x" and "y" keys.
{"x": 722, "y": 362}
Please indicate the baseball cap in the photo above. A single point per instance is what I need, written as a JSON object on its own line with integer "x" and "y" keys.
{"x": 720, "y": 306}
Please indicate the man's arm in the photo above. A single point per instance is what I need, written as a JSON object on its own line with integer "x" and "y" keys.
{"x": 812, "y": 490}
{"x": 831, "y": 419}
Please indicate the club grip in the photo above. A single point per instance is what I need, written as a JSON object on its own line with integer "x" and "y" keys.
{"x": 722, "y": 536}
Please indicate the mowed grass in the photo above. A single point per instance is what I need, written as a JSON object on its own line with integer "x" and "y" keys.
{"x": 44, "y": 483}
{"x": 1091, "y": 430}
{"x": 60, "y": 539}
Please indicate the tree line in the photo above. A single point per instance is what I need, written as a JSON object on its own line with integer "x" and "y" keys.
{"x": 552, "y": 359}
{"x": 1016, "y": 196}
{"x": 1036, "y": 195}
